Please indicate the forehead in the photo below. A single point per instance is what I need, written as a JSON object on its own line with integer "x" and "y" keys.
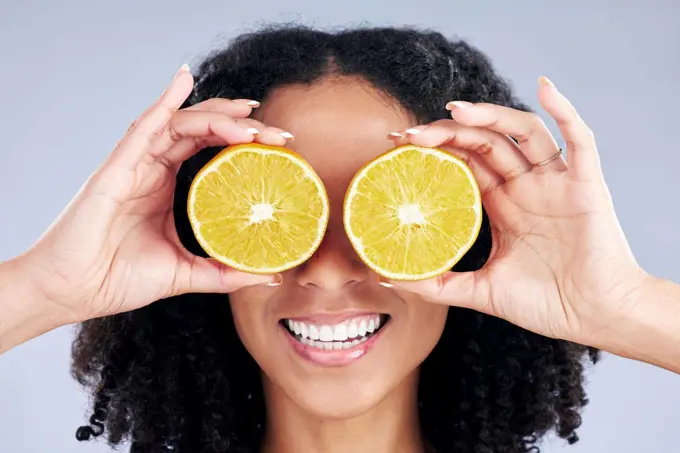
{"x": 339, "y": 123}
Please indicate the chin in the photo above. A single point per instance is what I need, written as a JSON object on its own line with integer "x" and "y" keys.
{"x": 332, "y": 399}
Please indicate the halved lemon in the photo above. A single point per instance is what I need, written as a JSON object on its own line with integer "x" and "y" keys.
{"x": 413, "y": 212}
{"x": 259, "y": 209}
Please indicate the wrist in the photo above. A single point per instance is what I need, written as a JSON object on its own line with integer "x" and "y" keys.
{"x": 647, "y": 328}
{"x": 25, "y": 311}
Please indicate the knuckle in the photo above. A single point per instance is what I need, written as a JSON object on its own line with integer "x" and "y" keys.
{"x": 535, "y": 122}
{"x": 484, "y": 148}
{"x": 438, "y": 288}
{"x": 174, "y": 135}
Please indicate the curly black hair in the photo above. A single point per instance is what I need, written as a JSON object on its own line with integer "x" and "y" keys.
{"x": 174, "y": 376}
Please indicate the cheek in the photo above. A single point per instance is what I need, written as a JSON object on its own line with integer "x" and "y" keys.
{"x": 426, "y": 323}
{"x": 248, "y": 314}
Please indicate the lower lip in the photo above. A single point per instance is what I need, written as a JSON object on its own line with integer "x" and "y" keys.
{"x": 333, "y": 357}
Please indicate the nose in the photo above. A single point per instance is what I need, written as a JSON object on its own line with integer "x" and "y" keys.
{"x": 335, "y": 265}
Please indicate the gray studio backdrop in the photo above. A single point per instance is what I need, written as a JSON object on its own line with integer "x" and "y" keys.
{"x": 75, "y": 73}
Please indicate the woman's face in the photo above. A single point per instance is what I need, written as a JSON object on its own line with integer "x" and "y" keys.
{"x": 339, "y": 125}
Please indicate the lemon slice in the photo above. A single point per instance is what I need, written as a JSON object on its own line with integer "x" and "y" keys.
{"x": 413, "y": 212}
{"x": 259, "y": 209}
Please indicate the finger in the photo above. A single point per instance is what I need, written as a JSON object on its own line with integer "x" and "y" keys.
{"x": 206, "y": 275}
{"x": 499, "y": 152}
{"x": 584, "y": 160}
{"x": 531, "y": 133}
{"x": 267, "y": 135}
{"x": 197, "y": 130}
{"x": 486, "y": 177}
{"x": 138, "y": 140}
{"x": 285, "y": 134}
{"x": 235, "y": 108}
{"x": 458, "y": 289}
{"x": 193, "y": 130}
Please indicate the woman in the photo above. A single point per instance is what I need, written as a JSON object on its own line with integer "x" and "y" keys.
{"x": 486, "y": 358}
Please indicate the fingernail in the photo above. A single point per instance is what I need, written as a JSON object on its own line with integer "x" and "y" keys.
{"x": 394, "y": 135}
{"x": 412, "y": 131}
{"x": 183, "y": 68}
{"x": 543, "y": 80}
{"x": 287, "y": 136}
{"x": 385, "y": 282}
{"x": 248, "y": 102}
{"x": 459, "y": 104}
{"x": 276, "y": 280}
{"x": 252, "y": 130}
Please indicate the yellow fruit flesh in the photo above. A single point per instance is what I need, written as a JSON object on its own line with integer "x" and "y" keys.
{"x": 258, "y": 209}
{"x": 413, "y": 212}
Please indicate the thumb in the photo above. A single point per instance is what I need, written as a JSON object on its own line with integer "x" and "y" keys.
{"x": 206, "y": 275}
{"x": 457, "y": 289}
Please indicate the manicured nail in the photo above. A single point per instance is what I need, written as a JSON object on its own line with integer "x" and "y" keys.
{"x": 385, "y": 282}
{"x": 252, "y": 130}
{"x": 287, "y": 136}
{"x": 458, "y": 104}
{"x": 394, "y": 135}
{"x": 183, "y": 68}
{"x": 248, "y": 102}
{"x": 543, "y": 80}
{"x": 412, "y": 131}
{"x": 276, "y": 280}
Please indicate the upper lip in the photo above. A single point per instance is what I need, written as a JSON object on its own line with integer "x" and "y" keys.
{"x": 332, "y": 317}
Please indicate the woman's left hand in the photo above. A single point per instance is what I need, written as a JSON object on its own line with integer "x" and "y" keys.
{"x": 560, "y": 265}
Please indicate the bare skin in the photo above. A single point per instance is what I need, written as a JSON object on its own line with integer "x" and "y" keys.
{"x": 560, "y": 266}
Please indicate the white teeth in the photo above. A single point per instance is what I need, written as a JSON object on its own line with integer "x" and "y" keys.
{"x": 340, "y": 332}
{"x": 362, "y": 328}
{"x": 335, "y": 337}
{"x": 332, "y": 345}
{"x": 326, "y": 333}
{"x": 353, "y": 330}
{"x": 313, "y": 332}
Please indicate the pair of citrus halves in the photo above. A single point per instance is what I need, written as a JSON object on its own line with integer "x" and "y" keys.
{"x": 410, "y": 213}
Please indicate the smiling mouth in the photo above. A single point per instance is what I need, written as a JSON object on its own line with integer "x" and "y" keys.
{"x": 344, "y": 335}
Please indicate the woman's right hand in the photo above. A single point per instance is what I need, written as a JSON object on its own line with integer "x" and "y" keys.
{"x": 115, "y": 247}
